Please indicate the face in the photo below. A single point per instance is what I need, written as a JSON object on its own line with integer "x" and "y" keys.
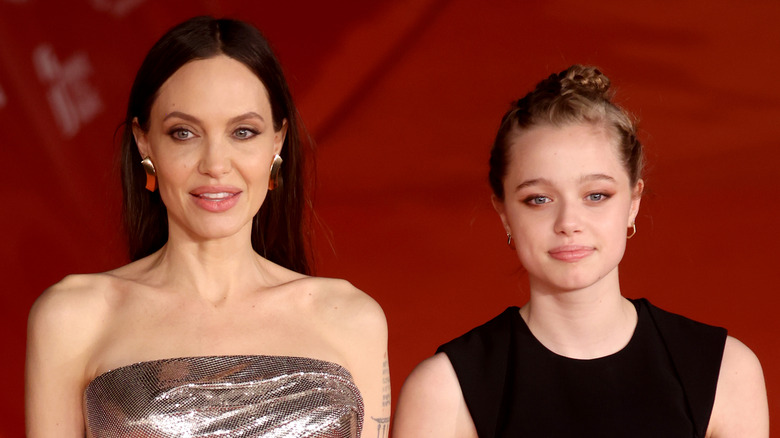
{"x": 568, "y": 204}
{"x": 212, "y": 140}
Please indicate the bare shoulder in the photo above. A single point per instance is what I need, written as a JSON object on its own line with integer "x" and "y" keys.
{"x": 431, "y": 403}
{"x": 740, "y": 408}
{"x": 346, "y": 306}
{"x": 433, "y": 377}
{"x": 354, "y": 325}
{"x": 67, "y": 317}
{"x": 63, "y": 325}
{"x": 737, "y": 357}
{"x": 66, "y": 303}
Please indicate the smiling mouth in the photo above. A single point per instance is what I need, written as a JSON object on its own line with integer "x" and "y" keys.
{"x": 216, "y": 201}
{"x": 215, "y": 196}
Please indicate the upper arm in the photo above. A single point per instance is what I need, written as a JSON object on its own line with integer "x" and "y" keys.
{"x": 431, "y": 403}
{"x": 55, "y": 365}
{"x": 372, "y": 371}
{"x": 740, "y": 408}
{"x": 362, "y": 335}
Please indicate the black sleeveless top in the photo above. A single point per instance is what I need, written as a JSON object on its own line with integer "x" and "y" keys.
{"x": 662, "y": 384}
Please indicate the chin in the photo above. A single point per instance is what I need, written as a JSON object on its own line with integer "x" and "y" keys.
{"x": 574, "y": 286}
{"x": 570, "y": 282}
{"x": 575, "y": 281}
{"x": 220, "y": 231}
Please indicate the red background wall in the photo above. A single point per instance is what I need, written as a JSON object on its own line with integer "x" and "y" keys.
{"x": 403, "y": 98}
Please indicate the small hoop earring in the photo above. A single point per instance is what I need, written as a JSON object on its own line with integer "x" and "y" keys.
{"x": 151, "y": 174}
{"x": 275, "y": 179}
{"x": 633, "y": 226}
{"x": 509, "y": 239}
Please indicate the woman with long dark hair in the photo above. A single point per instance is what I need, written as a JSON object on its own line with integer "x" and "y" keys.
{"x": 579, "y": 359}
{"x": 216, "y": 327}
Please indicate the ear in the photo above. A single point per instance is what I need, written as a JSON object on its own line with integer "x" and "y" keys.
{"x": 279, "y": 137}
{"x": 636, "y": 199}
{"x": 498, "y": 205}
{"x": 140, "y": 139}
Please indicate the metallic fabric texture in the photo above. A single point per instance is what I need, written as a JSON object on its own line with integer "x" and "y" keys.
{"x": 225, "y": 396}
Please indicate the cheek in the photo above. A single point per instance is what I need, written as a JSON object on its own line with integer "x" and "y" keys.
{"x": 531, "y": 224}
{"x": 173, "y": 173}
{"x": 621, "y": 219}
{"x": 174, "y": 178}
{"x": 170, "y": 185}
{"x": 528, "y": 235}
{"x": 255, "y": 169}
{"x": 524, "y": 255}
{"x": 614, "y": 233}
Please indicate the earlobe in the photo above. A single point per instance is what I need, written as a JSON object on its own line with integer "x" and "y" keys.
{"x": 279, "y": 137}
{"x": 639, "y": 188}
{"x": 636, "y": 200}
{"x": 498, "y": 205}
{"x": 140, "y": 139}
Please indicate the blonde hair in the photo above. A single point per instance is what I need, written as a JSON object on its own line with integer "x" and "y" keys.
{"x": 579, "y": 94}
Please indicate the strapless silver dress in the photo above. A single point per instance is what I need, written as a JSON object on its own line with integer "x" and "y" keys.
{"x": 225, "y": 396}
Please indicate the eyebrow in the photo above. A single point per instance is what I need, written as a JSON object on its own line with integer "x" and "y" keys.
{"x": 531, "y": 182}
{"x": 597, "y": 177}
{"x": 543, "y": 181}
{"x": 181, "y": 115}
{"x": 193, "y": 119}
{"x": 247, "y": 115}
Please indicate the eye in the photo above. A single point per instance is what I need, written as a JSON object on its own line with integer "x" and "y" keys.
{"x": 597, "y": 197}
{"x": 244, "y": 133}
{"x": 181, "y": 134}
{"x": 537, "y": 200}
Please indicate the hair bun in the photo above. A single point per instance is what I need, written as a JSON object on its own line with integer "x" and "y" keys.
{"x": 583, "y": 78}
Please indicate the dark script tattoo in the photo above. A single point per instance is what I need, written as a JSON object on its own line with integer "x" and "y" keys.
{"x": 385, "y": 383}
{"x": 382, "y": 426}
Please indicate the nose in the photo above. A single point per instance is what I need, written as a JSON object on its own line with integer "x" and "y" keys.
{"x": 567, "y": 220}
{"x": 215, "y": 159}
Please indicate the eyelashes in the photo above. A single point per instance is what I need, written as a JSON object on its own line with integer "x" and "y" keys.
{"x": 598, "y": 197}
{"x": 180, "y": 134}
{"x": 536, "y": 200}
{"x": 184, "y": 134}
{"x": 539, "y": 199}
{"x": 245, "y": 133}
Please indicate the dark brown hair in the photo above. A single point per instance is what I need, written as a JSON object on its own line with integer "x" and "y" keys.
{"x": 279, "y": 231}
{"x": 579, "y": 94}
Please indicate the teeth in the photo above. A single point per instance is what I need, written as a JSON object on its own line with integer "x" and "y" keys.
{"x": 221, "y": 195}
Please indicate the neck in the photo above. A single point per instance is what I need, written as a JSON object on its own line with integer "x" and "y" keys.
{"x": 213, "y": 269}
{"x": 582, "y": 324}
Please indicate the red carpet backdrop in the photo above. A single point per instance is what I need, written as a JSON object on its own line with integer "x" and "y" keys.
{"x": 403, "y": 98}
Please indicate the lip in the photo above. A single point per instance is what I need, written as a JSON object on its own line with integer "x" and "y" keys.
{"x": 571, "y": 253}
{"x": 216, "y": 199}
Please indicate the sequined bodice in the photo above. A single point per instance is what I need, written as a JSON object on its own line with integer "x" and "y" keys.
{"x": 225, "y": 396}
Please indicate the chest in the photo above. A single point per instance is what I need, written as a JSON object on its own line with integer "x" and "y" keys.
{"x": 634, "y": 392}
{"x": 168, "y": 327}
{"x": 228, "y": 396}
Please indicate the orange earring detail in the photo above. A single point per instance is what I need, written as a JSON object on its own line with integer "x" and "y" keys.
{"x": 151, "y": 174}
{"x": 275, "y": 179}
{"x": 633, "y": 226}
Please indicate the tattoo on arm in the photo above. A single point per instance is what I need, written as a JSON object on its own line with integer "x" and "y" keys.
{"x": 385, "y": 384}
{"x": 382, "y": 426}
{"x": 383, "y": 423}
